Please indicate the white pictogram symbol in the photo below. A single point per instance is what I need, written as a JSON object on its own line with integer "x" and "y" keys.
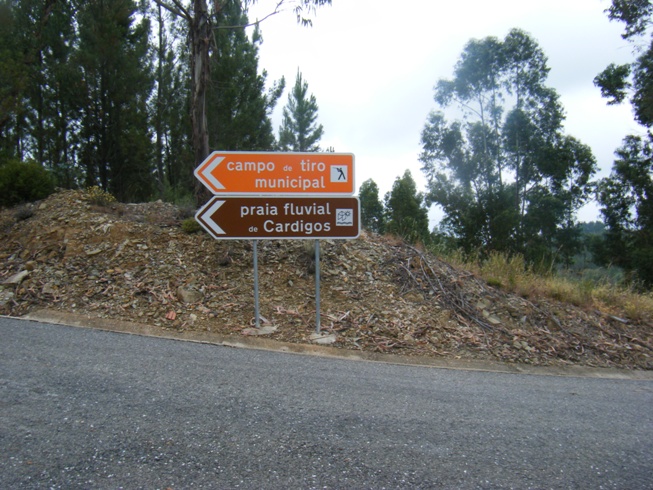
{"x": 344, "y": 217}
{"x": 339, "y": 173}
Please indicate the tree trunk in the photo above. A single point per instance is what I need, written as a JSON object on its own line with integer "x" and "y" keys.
{"x": 158, "y": 118}
{"x": 199, "y": 68}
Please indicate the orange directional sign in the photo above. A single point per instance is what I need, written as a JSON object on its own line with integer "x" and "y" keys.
{"x": 280, "y": 217}
{"x": 266, "y": 173}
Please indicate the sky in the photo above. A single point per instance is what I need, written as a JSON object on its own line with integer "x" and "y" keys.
{"x": 372, "y": 66}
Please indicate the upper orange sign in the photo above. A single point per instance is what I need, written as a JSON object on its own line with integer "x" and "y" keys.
{"x": 230, "y": 172}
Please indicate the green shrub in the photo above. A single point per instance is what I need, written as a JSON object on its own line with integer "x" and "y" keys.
{"x": 190, "y": 225}
{"x": 22, "y": 182}
{"x": 96, "y": 195}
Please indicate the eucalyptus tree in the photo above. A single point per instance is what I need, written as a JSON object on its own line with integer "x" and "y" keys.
{"x": 626, "y": 196}
{"x": 299, "y": 130}
{"x": 201, "y": 24}
{"x": 505, "y": 174}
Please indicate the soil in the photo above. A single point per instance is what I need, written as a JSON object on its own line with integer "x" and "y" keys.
{"x": 134, "y": 262}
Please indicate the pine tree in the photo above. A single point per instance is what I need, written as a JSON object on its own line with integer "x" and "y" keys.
{"x": 299, "y": 131}
{"x": 13, "y": 82}
{"x": 239, "y": 107}
{"x": 173, "y": 151}
{"x": 406, "y": 214}
{"x": 116, "y": 148}
{"x": 372, "y": 213}
{"x": 199, "y": 29}
{"x": 40, "y": 103}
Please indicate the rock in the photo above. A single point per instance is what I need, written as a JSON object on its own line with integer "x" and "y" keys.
{"x": 16, "y": 278}
{"x": 260, "y": 331}
{"x": 189, "y": 295}
{"x": 95, "y": 251}
{"x": 413, "y": 297}
{"x": 49, "y": 288}
{"x": 5, "y": 297}
{"x": 322, "y": 338}
{"x": 493, "y": 319}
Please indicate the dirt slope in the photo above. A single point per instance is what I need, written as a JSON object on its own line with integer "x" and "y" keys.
{"x": 134, "y": 262}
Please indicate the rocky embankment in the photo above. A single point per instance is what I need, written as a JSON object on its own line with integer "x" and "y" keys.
{"x": 135, "y": 263}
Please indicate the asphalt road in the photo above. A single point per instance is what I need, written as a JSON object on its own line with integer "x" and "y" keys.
{"x": 90, "y": 409}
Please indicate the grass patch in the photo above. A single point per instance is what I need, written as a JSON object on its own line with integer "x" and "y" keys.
{"x": 513, "y": 275}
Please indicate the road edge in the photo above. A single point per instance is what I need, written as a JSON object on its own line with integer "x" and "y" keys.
{"x": 239, "y": 341}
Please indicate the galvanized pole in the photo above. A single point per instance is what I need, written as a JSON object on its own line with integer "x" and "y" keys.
{"x": 317, "y": 286}
{"x": 256, "y": 304}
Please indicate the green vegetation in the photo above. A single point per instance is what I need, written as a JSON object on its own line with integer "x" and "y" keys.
{"x": 406, "y": 215}
{"x": 99, "y": 197}
{"x": 512, "y": 274}
{"x": 510, "y": 182}
{"x": 299, "y": 130}
{"x": 372, "y": 211}
{"x": 22, "y": 182}
{"x": 190, "y": 226}
{"x": 113, "y": 94}
{"x": 626, "y": 195}
{"x": 506, "y": 176}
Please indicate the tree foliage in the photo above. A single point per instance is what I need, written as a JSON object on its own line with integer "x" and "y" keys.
{"x": 240, "y": 107}
{"x": 104, "y": 92}
{"x": 22, "y": 182}
{"x": 299, "y": 130}
{"x": 627, "y": 207}
{"x": 114, "y": 58}
{"x": 406, "y": 214}
{"x": 625, "y": 196}
{"x": 200, "y": 25}
{"x": 173, "y": 156}
{"x": 372, "y": 212}
{"x": 505, "y": 174}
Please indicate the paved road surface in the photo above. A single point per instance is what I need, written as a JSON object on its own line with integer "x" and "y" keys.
{"x": 89, "y": 409}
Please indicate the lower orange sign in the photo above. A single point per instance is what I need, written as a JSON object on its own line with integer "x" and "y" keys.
{"x": 281, "y": 217}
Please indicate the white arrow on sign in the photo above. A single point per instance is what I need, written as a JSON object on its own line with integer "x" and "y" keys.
{"x": 206, "y": 172}
{"x": 203, "y": 216}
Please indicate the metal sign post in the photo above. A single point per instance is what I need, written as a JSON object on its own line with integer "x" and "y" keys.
{"x": 317, "y": 286}
{"x": 257, "y": 314}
